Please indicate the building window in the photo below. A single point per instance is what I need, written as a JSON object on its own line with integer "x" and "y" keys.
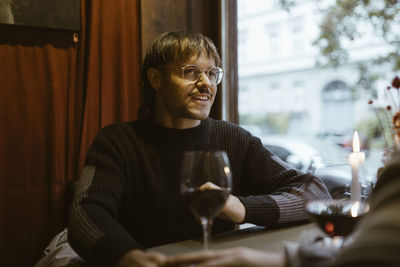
{"x": 273, "y": 41}
{"x": 297, "y": 34}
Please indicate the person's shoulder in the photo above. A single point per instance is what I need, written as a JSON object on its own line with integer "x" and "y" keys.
{"x": 119, "y": 128}
{"x": 229, "y": 126}
{"x": 223, "y": 124}
{"x": 119, "y": 125}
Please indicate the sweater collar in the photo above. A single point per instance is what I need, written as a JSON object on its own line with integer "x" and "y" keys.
{"x": 162, "y": 132}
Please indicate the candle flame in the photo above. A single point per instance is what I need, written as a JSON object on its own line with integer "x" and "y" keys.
{"x": 356, "y": 142}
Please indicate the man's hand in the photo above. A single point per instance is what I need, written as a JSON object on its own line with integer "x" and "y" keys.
{"x": 139, "y": 258}
{"x": 233, "y": 209}
{"x": 243, "y": 257}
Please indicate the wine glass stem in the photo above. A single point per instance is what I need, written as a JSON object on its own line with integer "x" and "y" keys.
{"x": 206, "y": 224}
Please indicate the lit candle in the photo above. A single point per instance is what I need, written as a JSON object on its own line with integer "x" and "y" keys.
{"x": 356, "y": 159}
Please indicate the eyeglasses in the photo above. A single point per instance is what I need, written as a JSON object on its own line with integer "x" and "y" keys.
{"x": 193, "y": 73}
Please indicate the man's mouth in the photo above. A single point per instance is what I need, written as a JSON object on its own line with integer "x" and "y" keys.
{"x": 201, "y": 97}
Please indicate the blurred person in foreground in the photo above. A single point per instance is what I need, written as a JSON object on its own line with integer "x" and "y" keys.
{"x": 375, "y": 242}
{"x": 128, "y": 196}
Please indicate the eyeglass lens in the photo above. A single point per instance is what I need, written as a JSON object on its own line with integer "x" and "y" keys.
{"x": 192, "y": 73}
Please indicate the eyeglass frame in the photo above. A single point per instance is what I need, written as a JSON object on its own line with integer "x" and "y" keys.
{"x": 205, "y": 71}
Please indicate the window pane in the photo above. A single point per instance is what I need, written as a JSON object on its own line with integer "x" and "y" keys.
{"x": 285, "y": 94}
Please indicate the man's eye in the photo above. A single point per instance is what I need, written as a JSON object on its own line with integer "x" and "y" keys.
{"x": 212, "y": 73}
{"x": 191, "y": 70}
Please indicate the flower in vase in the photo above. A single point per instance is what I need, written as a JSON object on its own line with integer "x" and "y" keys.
{"x": 389, "y": 118}
{"x": 396, "y": 82}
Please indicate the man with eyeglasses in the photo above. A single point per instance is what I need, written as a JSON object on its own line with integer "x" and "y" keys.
{"x": 128, "y": 196}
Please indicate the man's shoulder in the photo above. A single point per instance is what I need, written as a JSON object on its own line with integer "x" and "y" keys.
{"x": 120, "y": 128}
{"x": 228, "y": 126}
{"x": 119, "y": 125}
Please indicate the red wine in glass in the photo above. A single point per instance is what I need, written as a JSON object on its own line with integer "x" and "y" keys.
{"x": 205, "y": 185}
{"x": 337, "y": 218}
{"x": 205, "y": 203}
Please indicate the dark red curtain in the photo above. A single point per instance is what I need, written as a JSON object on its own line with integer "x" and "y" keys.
{"x": 112, "y": 58}
{"x": 37, "y": 93}
{"x": 55, "y": 95}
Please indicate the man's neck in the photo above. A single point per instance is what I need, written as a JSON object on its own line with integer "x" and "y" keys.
{"x": 181, "y": 123}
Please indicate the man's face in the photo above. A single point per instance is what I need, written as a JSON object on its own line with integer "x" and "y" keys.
{"x": 181, "y": 103}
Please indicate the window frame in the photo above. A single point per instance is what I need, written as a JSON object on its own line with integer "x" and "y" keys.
{"x": 229, "y": 53}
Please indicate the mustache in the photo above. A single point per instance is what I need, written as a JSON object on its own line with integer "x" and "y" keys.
{"x": 203, "y": 91}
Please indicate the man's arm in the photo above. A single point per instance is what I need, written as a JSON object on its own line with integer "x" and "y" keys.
{"x": 94, "y": 231}
{"x": 274, "y": 193}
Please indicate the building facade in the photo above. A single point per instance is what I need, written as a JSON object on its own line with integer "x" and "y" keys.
{"x": 278, "y": 74}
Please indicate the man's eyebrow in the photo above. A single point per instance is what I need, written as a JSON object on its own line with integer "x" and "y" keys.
{"x": 193, "y": 64}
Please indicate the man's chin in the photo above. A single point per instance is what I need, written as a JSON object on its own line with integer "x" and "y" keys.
{"x": 199, "y": 115}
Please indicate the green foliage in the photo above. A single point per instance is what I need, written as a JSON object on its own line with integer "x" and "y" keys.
{"x": 366, "y": 80}
{"x": 344, "y": 22}
{"x": 287, "y": 4}
{"x": 250, "y": 119}
{"x": 278, "y": 122}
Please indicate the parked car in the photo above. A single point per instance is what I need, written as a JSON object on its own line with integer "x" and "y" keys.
{"x": 345, "y": 139}
{"x": 323, "y": 159}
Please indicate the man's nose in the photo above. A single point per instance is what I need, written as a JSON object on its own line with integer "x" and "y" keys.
{"x": 203, "y": 81}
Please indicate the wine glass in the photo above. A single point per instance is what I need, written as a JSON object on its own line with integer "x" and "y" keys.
{"x": 335, "y": 217}
{"x": 206, "y": 182}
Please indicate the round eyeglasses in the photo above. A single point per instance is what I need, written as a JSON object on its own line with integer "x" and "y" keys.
{"x": 192, "y": 73}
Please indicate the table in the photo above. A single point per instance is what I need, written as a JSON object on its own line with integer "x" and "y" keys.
{"x": 257, "y": 237}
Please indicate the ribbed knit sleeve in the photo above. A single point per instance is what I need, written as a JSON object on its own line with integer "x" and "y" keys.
{"x": 93, "y": 228}
{"x": 275, "y": 191}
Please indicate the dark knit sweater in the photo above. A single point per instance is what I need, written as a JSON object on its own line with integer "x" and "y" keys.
{"x": 128, "y": 193}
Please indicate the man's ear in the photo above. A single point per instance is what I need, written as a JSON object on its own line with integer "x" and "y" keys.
{"x": 154, "y": 77}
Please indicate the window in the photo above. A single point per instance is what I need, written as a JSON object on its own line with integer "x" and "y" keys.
{"x": 286, "y": 93}
{"x": 296, "y": 95}
{"x": 274, "y": 98}
{"x": 273, "y": 40}
{"x": 243, "y": 36}
{"x": 297, "y": 34}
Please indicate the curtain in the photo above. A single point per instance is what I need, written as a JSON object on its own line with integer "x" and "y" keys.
{"x": 37, "y": 95}
{"x": 55, "y": 95}
{"x": 113, "y": 66}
